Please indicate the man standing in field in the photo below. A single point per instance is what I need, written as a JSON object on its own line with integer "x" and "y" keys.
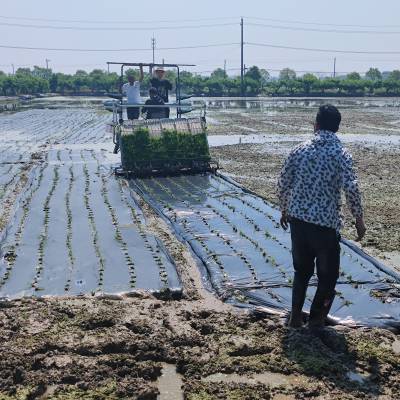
{"x": 309, "y": 191}
{"x": 132, "y": 92}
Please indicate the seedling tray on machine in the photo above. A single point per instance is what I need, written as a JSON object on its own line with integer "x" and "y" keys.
{"x": 164, "y": 147}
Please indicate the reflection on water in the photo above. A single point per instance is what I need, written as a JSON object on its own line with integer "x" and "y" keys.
{"x": 365, "y": 139}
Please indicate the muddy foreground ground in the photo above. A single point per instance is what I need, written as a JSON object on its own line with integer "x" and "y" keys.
{"x": 117, "y": 348}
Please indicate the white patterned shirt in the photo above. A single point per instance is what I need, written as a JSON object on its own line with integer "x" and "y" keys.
{"x": 312, "y": 178}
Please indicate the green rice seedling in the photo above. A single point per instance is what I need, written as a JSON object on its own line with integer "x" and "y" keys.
{"x": 44, "y": 234}
{"x": 139, "y": 146}
{"x": 86, "y": 196}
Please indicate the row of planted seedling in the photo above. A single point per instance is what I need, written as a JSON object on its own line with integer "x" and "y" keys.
{"x": 172, "y": 214}
{"x": 11, "y": 253}
{"x": 350, "y": 255}
{"x": 224, "y": 200}
{"x": 45, "y": 231}
{"x": 68, "y": 243}
{"x": 155, "y": 252}
{"x": 269, "y": 259}
{"x": 226, "y": 240}
{"x": 92, "y": 222}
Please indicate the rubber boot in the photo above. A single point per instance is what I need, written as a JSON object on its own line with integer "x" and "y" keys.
{"x": 320, "y": 307}
{"x": 298, "y": 297}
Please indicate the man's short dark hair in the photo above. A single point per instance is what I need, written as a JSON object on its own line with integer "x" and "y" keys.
{"x": 153, "y": 91}
{"x": 328, "y": 118}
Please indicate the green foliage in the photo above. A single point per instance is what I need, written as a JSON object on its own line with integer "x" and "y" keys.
{"x": 256, "y": 82}
{"x": 170, "y": 145}
{"x": 219, "y": 73}
{"x": 254, "y": 73}
{"x": 353, "y": 76}
{"x": 395, "y": 75}
{"x": 287, "y": 74}
{"x": 374, "y": 74}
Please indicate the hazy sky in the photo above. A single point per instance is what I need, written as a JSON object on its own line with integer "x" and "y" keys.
{"x": 151, "y": 15}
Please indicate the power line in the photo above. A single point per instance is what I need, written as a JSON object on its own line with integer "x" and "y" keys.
{"x": 149, "y": 28}
{"x": 322, "y": 23}
{"x": 279, "y": 70}
{"x": 303, "y": 29}
{"x": 144, "y": 21}
{"x": 321, "y": 50}
{"x": 315, "y": 72}
{"x": 115, "y": 50}
{"x": 141, "y": 21}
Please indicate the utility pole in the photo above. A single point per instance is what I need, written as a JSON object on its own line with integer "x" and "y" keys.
{"x": 334, "y": 67}
{"x": 108, "y": 68}
{"x": 13, "y": 68}
{"x": 225, "y": 67}
{"x": 241, "y": 59}
{"x": 153, "y": 46}
{"x": 47, "y": 63}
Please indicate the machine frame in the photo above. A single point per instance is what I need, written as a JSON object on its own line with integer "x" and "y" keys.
{"x": 158, "y": 167}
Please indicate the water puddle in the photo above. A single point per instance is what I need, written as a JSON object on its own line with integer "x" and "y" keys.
{"x": 393, "y": 258}
{"x": 358, "y": 377}
{"x": 396, "y": 346}
{"x": 366, "y": 139}
{"x": 271, "y": 379}
{"x": 170, "y": 384}
{"x": 48, "y": 394}
{"x": 281, "y": 396}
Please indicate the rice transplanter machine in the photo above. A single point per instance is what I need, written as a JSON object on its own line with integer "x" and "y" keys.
{"x": 161, "y": 146}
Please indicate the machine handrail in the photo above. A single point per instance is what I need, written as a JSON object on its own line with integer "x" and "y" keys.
{"x": 118, "y": 107}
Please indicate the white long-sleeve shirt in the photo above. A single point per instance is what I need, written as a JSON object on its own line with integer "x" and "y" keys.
{"x": 312, "y": 178}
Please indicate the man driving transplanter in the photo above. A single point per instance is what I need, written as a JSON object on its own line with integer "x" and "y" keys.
{"x": 309, "y": 191}
{"x": 162, "y": 85}
{"x": 132, "y": 92}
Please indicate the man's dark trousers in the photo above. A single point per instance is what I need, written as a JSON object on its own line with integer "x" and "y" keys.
{"x": 133, "y": 112}
{"x": 314, "y": 245}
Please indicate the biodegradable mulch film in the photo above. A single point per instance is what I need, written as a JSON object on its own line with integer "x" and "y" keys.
{"x": 247, "y": 256}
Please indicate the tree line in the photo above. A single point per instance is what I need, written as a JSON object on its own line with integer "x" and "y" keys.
{"x": 257, "y": 81}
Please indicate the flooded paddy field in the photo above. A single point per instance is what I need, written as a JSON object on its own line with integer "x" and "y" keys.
{"x": 146, "y": 343}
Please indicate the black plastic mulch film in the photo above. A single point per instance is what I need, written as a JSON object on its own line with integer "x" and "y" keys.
{"x": 247, "y": 256}
{"x": 75, "y": 228}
